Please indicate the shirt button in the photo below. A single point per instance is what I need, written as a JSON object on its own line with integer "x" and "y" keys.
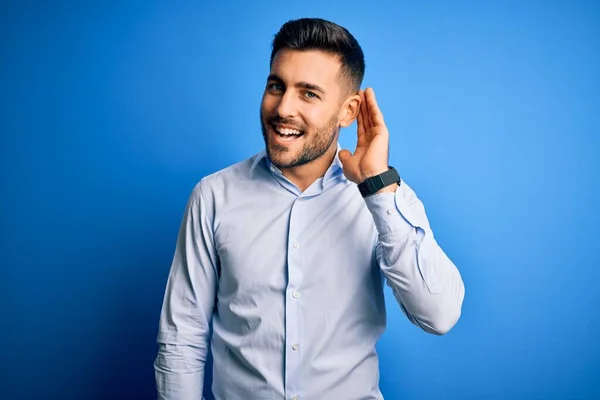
{"x": 295, "y": 398}
{"x": 389, "y": 212}
{"x": 295, "y": 245}
{"x": 296, "y": 346}
{"x": 296, "y": 295}
{"x": 273, "y": 169}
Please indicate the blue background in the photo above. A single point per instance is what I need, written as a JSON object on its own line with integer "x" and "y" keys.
{"x": 111, "y": 113}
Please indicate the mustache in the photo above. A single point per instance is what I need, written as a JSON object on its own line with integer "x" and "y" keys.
{"x": 285, "y": 121}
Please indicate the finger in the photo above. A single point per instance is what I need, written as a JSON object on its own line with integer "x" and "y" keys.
{"x": 360, "y": 131}
{"x": 360, "y": 122}
{"x": 375, "y": 115}
{"x": 364, "y": 110}
{"x": 344, "y": 156}
{"x": 363, "y": 133}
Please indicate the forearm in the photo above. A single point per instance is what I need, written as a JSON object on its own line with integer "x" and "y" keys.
{"x": 426, "y": 283}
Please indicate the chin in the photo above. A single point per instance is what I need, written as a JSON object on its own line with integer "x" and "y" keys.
{"x": 281, "y": 159}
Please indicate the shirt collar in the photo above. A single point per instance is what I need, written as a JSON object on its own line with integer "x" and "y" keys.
{"x": 333, "y": 173}
{"x": 334, "y": 169}
{"x": 257, "y": 159}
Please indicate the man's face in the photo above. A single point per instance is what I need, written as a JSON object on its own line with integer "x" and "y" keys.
{"x": 300, "y": 106}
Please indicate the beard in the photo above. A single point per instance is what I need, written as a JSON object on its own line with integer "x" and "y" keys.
{"x": 316, "y": 143}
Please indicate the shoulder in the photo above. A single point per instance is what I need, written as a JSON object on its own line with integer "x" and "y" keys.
{"x": 236, "y": 174}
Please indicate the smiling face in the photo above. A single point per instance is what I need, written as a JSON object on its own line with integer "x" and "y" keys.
{"x": 302, "y": 107}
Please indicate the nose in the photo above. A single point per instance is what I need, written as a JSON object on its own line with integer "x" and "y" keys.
{"x": 287, "y": 107}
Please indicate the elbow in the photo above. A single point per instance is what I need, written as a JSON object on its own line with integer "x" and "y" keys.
{"x": 443, "y": 323}
{"x": 445, "y": 319}
{"x": 448, "y": 317}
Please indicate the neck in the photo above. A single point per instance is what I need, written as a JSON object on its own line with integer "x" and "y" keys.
{"x": 305, "y": 175}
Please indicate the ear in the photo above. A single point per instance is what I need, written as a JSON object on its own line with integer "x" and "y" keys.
{"x": 349, "y": 110}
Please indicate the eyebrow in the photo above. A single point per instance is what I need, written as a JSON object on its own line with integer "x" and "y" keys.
{"x": 301, "y": 84}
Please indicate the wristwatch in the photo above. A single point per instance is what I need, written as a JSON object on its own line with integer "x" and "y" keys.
{"x": 373, "y": 184}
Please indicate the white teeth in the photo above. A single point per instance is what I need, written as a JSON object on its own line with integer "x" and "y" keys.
{"x": 287, "y": 131}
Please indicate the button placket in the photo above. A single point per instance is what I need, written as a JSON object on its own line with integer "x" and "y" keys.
{"x": 293, "y": 322}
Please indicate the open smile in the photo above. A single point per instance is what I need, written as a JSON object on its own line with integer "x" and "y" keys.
{"x": 285, "y": 134}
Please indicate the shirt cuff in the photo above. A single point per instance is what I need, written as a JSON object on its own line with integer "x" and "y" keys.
{"x": 387, "y": 216}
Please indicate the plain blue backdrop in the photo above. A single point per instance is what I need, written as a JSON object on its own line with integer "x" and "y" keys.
{"x": 110, "y": 113}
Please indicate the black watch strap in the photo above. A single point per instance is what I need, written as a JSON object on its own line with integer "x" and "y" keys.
{"x": 375, "y": 183}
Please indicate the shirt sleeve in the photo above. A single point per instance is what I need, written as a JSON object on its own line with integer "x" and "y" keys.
{"x": 189, "y": 300}
{"x": 425, "y": 282}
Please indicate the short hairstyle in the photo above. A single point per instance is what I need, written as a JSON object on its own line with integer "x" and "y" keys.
{"x": 319, "y": 34}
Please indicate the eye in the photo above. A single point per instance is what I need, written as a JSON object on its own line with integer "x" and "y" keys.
{"x": 310, "y": 95}
{"x": 274, "y": 87}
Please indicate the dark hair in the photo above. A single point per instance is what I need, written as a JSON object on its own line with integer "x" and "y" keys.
{"x": 319, "y": 34}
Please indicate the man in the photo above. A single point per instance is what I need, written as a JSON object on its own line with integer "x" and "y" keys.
{"x": 285, "y": 254}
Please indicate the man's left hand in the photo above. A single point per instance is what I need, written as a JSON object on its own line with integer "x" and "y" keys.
{"x": 371, "y": 155}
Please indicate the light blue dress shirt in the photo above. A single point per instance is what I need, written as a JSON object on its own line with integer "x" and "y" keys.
{"x": 292, "y": 284}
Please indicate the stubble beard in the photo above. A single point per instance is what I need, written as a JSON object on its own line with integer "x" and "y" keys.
{"x": 319, "y": 141}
